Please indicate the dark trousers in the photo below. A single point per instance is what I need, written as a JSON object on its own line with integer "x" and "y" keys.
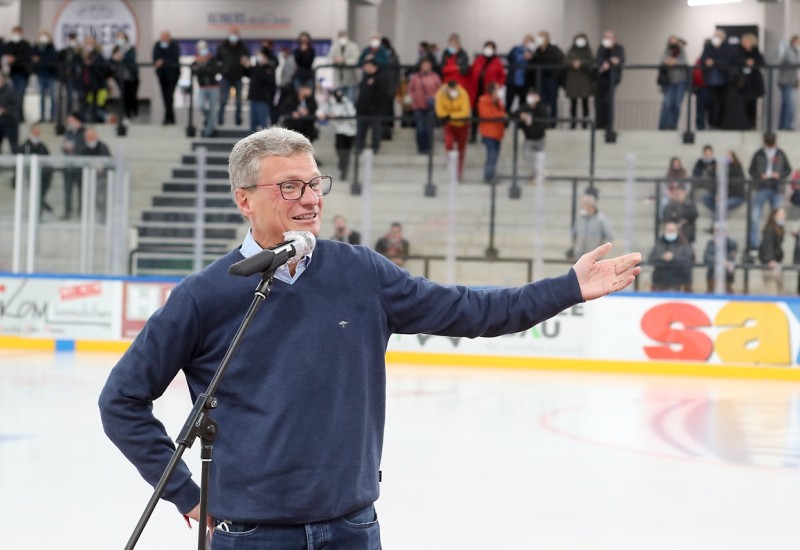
{"x": 9, "y": 129}
{"x": 716, "y": 105}
{"x": 573, "y": 110}
{"x": 549, "y": 90}
{"x": 362, "y": 126}
{"x": 344, "y": 146}
{"x": 602, "y": 107}
{"x": 168, "y": 85}
{"x": 19, "y": 82}
{"x": 72, "y": 183}
{"x": 130, "y": 105}
{"x": 513, "y": 92}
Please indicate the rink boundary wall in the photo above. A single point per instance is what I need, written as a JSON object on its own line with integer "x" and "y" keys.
{"x": 666, "y": 334}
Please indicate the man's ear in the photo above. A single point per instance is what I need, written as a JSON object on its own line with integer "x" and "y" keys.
{"x": 242, "y": 199}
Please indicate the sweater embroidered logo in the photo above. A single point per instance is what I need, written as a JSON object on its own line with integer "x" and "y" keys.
{"x": 344, "y": 323}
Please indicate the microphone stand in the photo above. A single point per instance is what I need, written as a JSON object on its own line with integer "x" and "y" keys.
{"x": 199, "y": 424}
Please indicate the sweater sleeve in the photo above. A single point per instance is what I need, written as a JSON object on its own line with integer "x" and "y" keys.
{"x": 415, "y": 305}
{"x": 151, "y": 363}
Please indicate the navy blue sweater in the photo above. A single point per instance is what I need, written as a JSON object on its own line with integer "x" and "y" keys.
{"x": 301, "y": 408}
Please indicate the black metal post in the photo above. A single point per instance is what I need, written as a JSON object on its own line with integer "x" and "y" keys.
{"x": 574, "y": 208}
{"x": 60, "y": 128}
{"x": 688, "y": 135}
{"x": 191, "y": 131}
{"x": 491, "y": 251}
{"x": 355, "y": 185}
{"x": 430, "y": 187}
{"x": 122, "y": 130}
{"x": 514, "y": 192}
{"x": 611, "y": 135}
{"x": 770, "y": 90}
{"x": 592, "y": 148}
{"x": 657, "y": 203}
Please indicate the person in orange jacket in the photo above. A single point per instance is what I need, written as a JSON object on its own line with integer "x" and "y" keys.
{"x": 452, "y": 106}
{"x": 491, "y": 113}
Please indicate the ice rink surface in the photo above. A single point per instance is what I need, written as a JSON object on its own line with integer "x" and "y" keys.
{"x": 474, "y": 459}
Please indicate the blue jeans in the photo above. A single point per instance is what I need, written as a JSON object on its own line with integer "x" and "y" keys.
{"x": 788, "y": 102}
{"x": 701, "y": 97}
{"x": 671, "y": 105}
{"x": 492, "y": 154}
{"x": 423, "y": 121}
{"x": 225, "y": 86}
{"x": 208, "y": 98}
{"x": 47, "y": 88}
{"x": 259, "y": 115}
{"x": 710, "y": 201}
{"x": 759, "y": 198}
{"x": 20, "y": 82}
{"x": 356, "y": 531}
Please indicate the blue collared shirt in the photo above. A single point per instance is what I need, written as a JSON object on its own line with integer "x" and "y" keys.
{"x": 250, "y": 248}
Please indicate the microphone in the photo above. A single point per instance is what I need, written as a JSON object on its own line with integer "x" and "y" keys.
{"x": 297, "y": 244}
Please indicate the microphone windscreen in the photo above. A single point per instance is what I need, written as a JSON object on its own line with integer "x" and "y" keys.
{"x": 304, "y": 242}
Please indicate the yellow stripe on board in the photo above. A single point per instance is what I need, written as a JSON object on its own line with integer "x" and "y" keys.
{"x": 18, "y": 342}
{"x": 102, "y": 346}
{"x": 595, "y": 365}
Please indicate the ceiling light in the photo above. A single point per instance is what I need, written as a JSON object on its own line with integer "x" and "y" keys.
{"x": 695, "y": 3}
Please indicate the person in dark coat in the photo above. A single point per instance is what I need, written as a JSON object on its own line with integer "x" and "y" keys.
{"x": 531, "y": 117}
{"x": 304, "y": 62}
{"x": 681, "y": 209}
{"x": 578, "y": 83}
{"x": 769, "y": 169}
{"x": 672, "y": 259}
{"x": 517, "y": 61}
{"x": 9, "y": 113}
{"x": 547, "y": 55}
{"x": 18, "y": 54}
{"x": 373, "y": 95}
{"x": 262, "y": 89}
{"x": 126, "y": 73}
{"x": 770, "y": 251}
{"x": 609, "y": 60}
{"x": 45, "y": 65}
{"x": 230, "y": 54}
{"x": 746, "y": 85}
{"x": 297, "y": 110}
{"x": 95, "y": 74}
{"x": 166, "y": 59}
{"x": 34, "y": 146}
{"x": 715, "y": 63}
{"x": 70, "y": 73}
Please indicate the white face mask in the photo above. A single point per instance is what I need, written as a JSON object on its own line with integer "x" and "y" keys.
{"x": 453, "y": 94}
{"x": 91, "y": 144}
{"x": 374, "y": 43}
{"x": 531, "y": 45}
{"x": 16, "y": 37}
{"x": 203, "y": 51}
{"x": 580, "y": 42}
{"x": 532, "y": 100}
{"x": 780, "y": 223}
{"x": 488, "y": 52}
{"x": 343, "y": 41}
{"x": 163, "y": 44}
{"x": 538, "y": 41}
{"x": 607, "y": 43}
{"x": 584, "y": 212}
{"x": 35, "y": 140}
{"x": 670, "y": 237}
{"x": 262, "y": 59}
{"x": 43, "y": 39}
{"x": 716, "y": 41}
{"x": 233, "y": 39}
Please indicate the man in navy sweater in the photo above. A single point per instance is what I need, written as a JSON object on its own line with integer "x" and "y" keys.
{"x": 302, "y": 405}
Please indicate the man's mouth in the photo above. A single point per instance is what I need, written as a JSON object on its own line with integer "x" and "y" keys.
{"x": 305, "y": 217}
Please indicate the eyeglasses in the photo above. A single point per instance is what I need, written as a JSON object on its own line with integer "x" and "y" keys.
{"x": 292, "y": 190}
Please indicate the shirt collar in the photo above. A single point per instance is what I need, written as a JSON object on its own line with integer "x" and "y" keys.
{"x": 250, "y": 248}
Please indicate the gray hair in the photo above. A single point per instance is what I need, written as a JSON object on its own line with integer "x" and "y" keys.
{"x": 244, "y": 161}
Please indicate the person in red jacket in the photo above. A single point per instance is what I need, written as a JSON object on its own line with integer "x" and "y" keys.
{"x": 492, "y": 113}
{"x": 486, "y": 69}
{"x": 455, "y": 62}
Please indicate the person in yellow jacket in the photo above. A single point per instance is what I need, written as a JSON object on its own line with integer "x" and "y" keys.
{"x": 452, "y": 106}
{"x": 492, "y": 115}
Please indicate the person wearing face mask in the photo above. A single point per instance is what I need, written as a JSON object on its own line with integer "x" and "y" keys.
{"x": 673, "y": 75}
{"x": 45, "y": 65}
{"x": 591, "y": 228}
{"x": 91, "y": 146}
{"x": 166, "y": 60}
{"x": 452, "y": 106}
{"x": 487, "y": 69}
{"x": 374, "y": 51}
{"x": 344, "y": 53}
{"x": 34, "y": 146}
{"x": 455, "y": 62}
{"x": 578, "y": 84}
{"x": 230, "y": 54}
{"x": 73, "y": 138}
{"x": 770, "y": 251}
{"x": 17, "y": 57}
{"x": 788, "y": 83}
{"x": 517, "y": 60}
{"x": 769, "y": 169}
{"x": 422, "y": 89}
{"x": 374, "y": 97}
{"x": 261, "y": 92}
{"x": 304, "y": 55}
{"x": 672, "y": 259}
{"x": 70, "y": 68}
{"x": 680, "y": 208}
{"x": 96, "y": 72}
{"x": 547, "y": 63}
{"x": 492, "y": 113}
{"x": 126, "y": 73}
{"x": 746, "y": 85}
{"x": 715, "y": 62}
{"x": 609, "y": 60}
{"x": 206, "y": 70}
{"x": 340, "y": 110}
{"x": 531, "y": 119}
